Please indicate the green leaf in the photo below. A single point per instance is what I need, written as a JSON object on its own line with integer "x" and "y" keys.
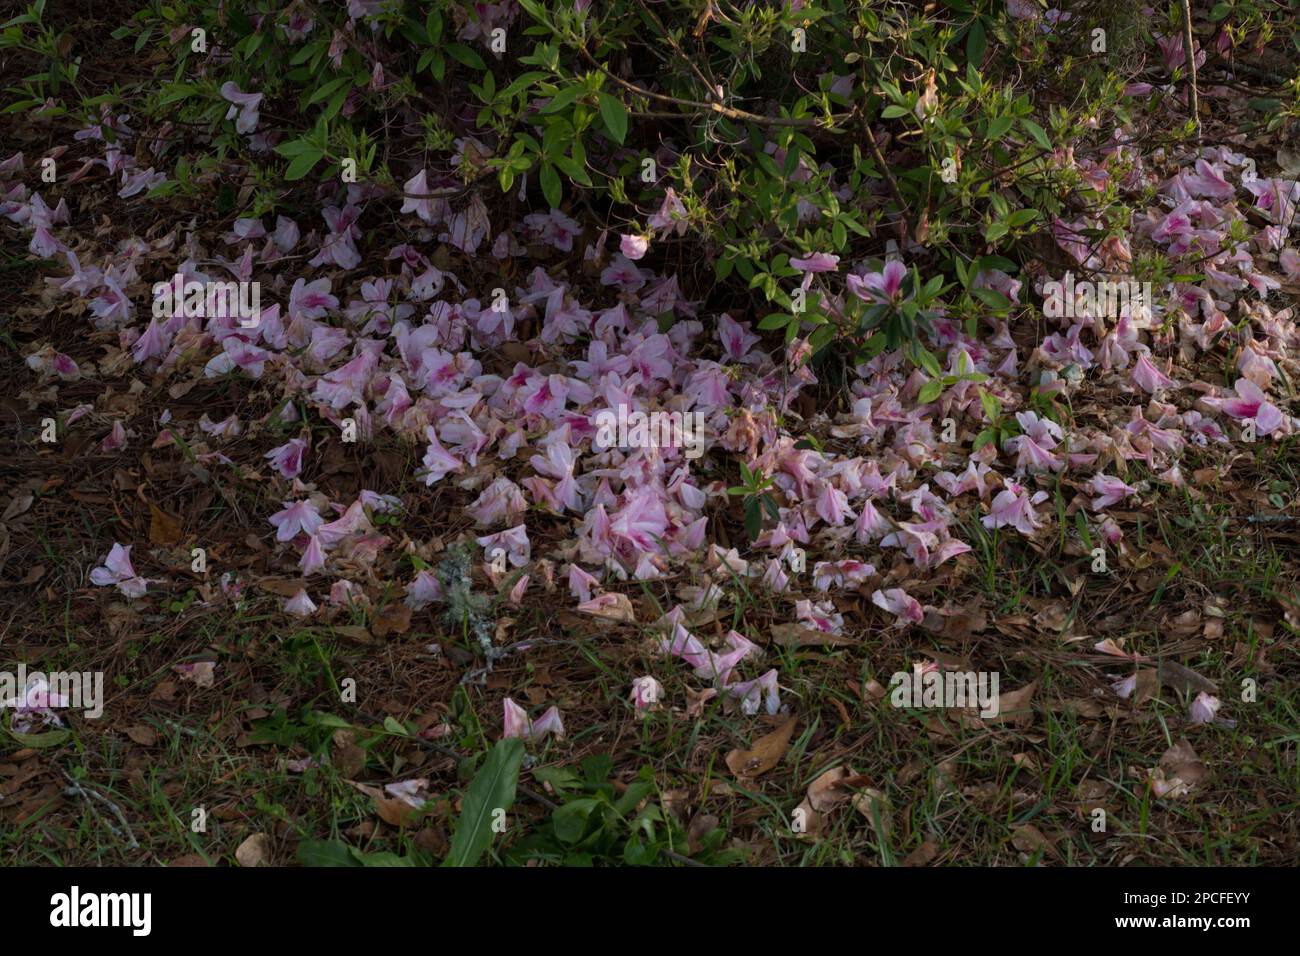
{"x": 992, "y": 298}
{"x": 465, "y": 55}
{"x": 614, "y": 113}
{"x": 563, "y": 98}
{"x": 330, "y": 87}
{"x": 753, "y": 518}
{"x": 1037, "y": 132}
{"x": 326, "y": 853}
{"x": 975, "y": 42}
{"x": 50, "y": 738}
{"x": 303, "y": 164}
{"x": 929, "y": 391}
{"x": 998, "y": 127}
{"x": 552, "y": 189}
{"x": 493, "y": 788}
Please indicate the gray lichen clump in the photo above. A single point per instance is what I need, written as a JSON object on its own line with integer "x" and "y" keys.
{"x": 467, "y": 612}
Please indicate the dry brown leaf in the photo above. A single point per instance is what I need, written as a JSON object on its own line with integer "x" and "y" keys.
{"x": 613, "y": 606}
{"x": 765, "y": 754}
{"x": 17, "y": 505}
{"x": 1014, "y": 707}
{"x": 391, "y": 619}
{"x": 699, "y": 827}
{"x": 1185, "y": 680}
{"x": 922, "y": 855}
{"x": 281, "y": 586}
{"x": 875, "y": 806}
{"x": 144, "y": 736}
{"x": 1029, "y": 839}
{"x": 797, "y": 635}
{"x": 164, "y": 530}
{"x": 1180, "y": 771}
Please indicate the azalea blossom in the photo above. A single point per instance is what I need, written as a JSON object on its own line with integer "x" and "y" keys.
{"x": 884, "y": 287}
{"x": 299, "y": 517}
{"x": 516, "y": 723}
{"x": 245, "y": 107}
{"x": 1252, "y": 404}
{"x": 118, "y": 570}
{"x": 1203, "y": 709}
{"x": 646, "y": 694}
{"x": 1014, "y": 507}
{"x": 1108, "y": 491}
{"x": 287, "y": 458}
{"x": 896, "y": 601}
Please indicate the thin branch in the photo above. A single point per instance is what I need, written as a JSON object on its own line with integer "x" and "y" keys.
{"x": 1192, "y": 95}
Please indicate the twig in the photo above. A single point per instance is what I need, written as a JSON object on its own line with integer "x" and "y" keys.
{"x": 1193, "y": 96}
{"x": 75, "y": 788}
{"x": 879, "y": 157}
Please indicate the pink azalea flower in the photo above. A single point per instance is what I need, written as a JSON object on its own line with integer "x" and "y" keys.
{"x": 1108, "y": 490}
{"x": 115, "y": 439}
{"x": 581, "y": 583}
{"x": 419, "y": 200}
{"x": 816, "y": 262}
{"x": 1203, "y": 708}
{"x": 1150, "y": 378}
{"x": 502, "y": 500}
{"x": 118, "y": 570}
{"x": 516, "y": 723}
{"x": 311, "y": 300}
{"x": 300, "y": 605}
{"x": 514, "y": 542}
{"x": 641, "y": 520}
{"x": 646, "y": 694}
{"x": 1014, "y": 507}
{"x": 1124, "y": 688}
{"x": 671, "y": 216}
{"x": 1252, "y": 403}
{"x": 882, "y": 287}
{"x": 623, "y": 274}
{"x": 762, "y": 689}
{"x": 736, "y": 338}
{"x": 437, "y": 459}
{"x": 313, "y": 557}
{"x": 898, "y": 602}
{"x": 300, "y": 517}
{"x": 287, "y": 458}
{"x": 423, "y": 591}
{"x": 245, "y": 107}
{"x": 634, "y": 247}
{"x": 821, "y": 616}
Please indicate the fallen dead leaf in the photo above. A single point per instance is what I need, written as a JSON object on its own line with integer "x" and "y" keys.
{"x": 392, "y": 619}
{"x": 765, "y": 754}
{"x": 1180, "y": 771}
{"x": 797, "y": 635}
{"x": 1029, "y": 839}
{"x": 613, "y": 606}
{"x": 922, "y": 855}
{"x": 144, "y": 736}
{"x": 164, "y": 530}
{"x": 875, "y": 806}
